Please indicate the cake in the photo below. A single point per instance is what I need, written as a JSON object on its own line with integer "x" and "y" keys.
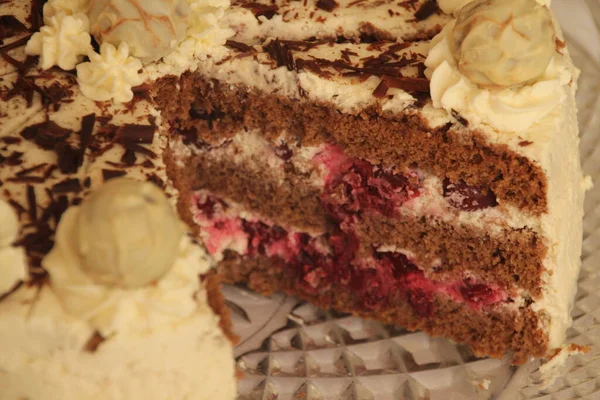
{"x": 414, "y": 162}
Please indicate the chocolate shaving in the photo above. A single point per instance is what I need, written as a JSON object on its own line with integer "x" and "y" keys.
{"x": 67, "y": 186}
{"x": 281, "y": 54}
{"x": 381, "y": 89}
{"x": 94, "y": 342}
{"x": 87, "y": 127}
{"x": 36, "y": 15}
{"x": 16, "y": 287}
{"x": 428, "y": 8}
{"x": 17, "y": 43}
{"x": 18, "y": 207}
{"x": 10, "y": 26}
{"x": 133, "y": 133}
{"x": 261, "y": 10}
{"x": 31, "y": 202}
{"x": 108, "y": 174}
{"x": 244, "y": 48}
{"x": 87, "y": 182}
{"x": 46, "y": 134}
{"x": 460, "y": 118}
{"x": 408, "y": 84}
{"x": 69, "y": 158}
{"x": 129, "y": 157}
{"x": 525, "y": 143}
{"x": 139, "y": 149}
{"x": 14, "y": 158}
{"x": 327, "y": 5}
{"x": 11, "y": 140}
{"x": 27, "y": 171}
{"x": 156, "y": 180}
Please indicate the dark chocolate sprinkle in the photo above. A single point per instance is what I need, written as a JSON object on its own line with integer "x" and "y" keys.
{"x": 87, "y": 127}
{"x": 525, "y": 143}
{"x": 67, "y": 186}
{"x": 94, "y": 342}
{"x": 261, "y": 10}
{"x": 128, "y": 157}
{"x": 137, "y": 133}
{"x": 327, "y": 5}
{"x": 112, "y": 173}
{"x": 244, "y": 48}
{"x": 281, "y": 54}
{"x": 428, "y": 8}
{"x": 460, "y": 118}
{"x": 31, "y": 202}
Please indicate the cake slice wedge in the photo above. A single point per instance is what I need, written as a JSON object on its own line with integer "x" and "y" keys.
{"x": 420, "y": 179}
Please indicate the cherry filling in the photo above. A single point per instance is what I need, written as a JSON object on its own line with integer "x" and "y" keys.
{"x": 353, "y": 185}
{"x": 377, "y": 279}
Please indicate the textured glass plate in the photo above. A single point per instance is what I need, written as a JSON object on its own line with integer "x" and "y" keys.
{"x": 292, "y": 350}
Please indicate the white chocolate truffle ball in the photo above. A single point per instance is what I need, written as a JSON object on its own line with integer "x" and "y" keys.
{"x": 128, "y": 234}
{"x": 9, "y": 225}
{"x": 503, "y": 43}
{"x": 151, "y": 28}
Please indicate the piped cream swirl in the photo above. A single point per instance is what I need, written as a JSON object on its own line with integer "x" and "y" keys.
{"x": 508, "y": 109}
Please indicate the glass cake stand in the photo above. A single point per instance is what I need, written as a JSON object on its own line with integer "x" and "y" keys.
{"x": 292, "y": 350}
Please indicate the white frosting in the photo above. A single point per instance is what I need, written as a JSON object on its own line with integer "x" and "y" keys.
{"x": 64, "y": 7}
{"x": 508, "y": 110}
{"x": 152, "y": 29}
{"x": 62, "y": 42}
{"x": 110, "y": 75}
{"x": 206, "y": 34}
{"x": 13, "y": 264}
{"x": 453, "y": 6}
{"x": 113, "y": 310}
{"x": 43, "y": 354}
{"x": 562, "y": 225}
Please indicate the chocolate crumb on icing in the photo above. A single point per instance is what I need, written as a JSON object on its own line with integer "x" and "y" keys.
{"x": 460, "y": 118}
{"x": 525, "y": 143}
{"x": 112, "y": 173}
{"x": 428, "y": 8}
{"x": 94, "y": 342}
{"x": 128, "y": 158}
{"x": 134, "y": 133}
{"x": 281, "y": 53}
{"x": 244, "y": 48}
{"x": 327, "y": 5}
{"x": 261, "y": 10}
{"x": 69, "y": 185}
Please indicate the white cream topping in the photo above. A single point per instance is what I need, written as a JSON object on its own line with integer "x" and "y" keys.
{"x": 110, "y": 75}
{"x": 125, "y": 234}
{"x": 103, "y": 271}
{"x": 152, "y": 29}
{"x": 13, "y": 264}
{"x": 62, "y": 42}
{"x": 453, "y": 6}
{"x": 508, "y": 110}
{"x": 64, "y": 7}
{"x": 503, "y": 43}
{"x": 206, "y": 34}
